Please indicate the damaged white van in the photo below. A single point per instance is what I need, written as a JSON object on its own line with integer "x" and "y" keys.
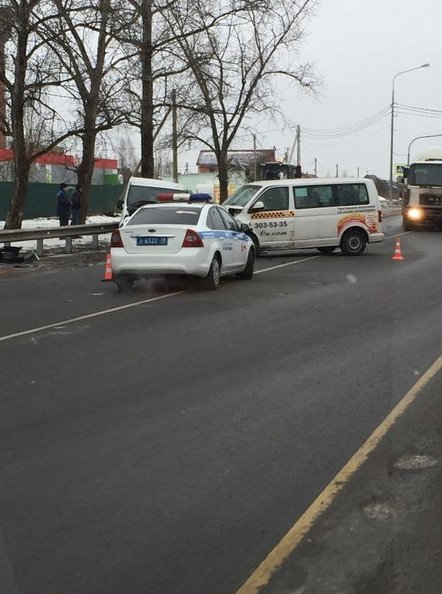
{"x": 322, "y": 213}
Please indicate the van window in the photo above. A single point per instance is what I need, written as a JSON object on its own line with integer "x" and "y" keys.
{"x": 275, "y": 198}
{"x": 313, "y": 196}
{"x": 333, "y": 195}
{"x": 351, "y": 194}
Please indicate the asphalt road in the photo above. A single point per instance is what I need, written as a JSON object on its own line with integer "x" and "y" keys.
{"x": 166, "y": 446}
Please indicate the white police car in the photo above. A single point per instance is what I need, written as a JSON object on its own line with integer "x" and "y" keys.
{"x": 181, "y": 238}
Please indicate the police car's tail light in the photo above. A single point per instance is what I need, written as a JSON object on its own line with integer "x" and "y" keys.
{"x": 192, "y": 239}
{"x": 116, "y": 239}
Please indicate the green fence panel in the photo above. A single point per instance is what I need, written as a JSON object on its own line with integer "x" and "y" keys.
{"x": 41, "y": 199}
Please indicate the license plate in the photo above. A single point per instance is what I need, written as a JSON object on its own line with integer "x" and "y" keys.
{"x": 151, "y": 240}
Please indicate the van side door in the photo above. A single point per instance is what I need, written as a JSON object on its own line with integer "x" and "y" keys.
{"x": 274, "y": 223}
{"x": 316, "y": 215}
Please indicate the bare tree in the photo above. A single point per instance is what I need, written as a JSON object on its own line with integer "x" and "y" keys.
{"x": 86, "y": 41}
{"x": 162, "y": 65}
{"x": 31, "y": 69}
{"x": 234, "y": 64}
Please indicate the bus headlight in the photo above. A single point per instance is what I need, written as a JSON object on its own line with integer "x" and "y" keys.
{"x": 414, "y": 214}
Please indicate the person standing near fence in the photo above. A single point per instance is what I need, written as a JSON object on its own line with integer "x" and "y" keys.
{"x": 63, "y": 206}
{"x": 76, "y": 205}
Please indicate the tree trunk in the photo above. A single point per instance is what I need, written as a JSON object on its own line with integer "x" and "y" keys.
{"x": 14, "y": 217}
{"x": 86, "y": 171}
{"x": 223, "y": 175}
{"x": 146, "y": 128}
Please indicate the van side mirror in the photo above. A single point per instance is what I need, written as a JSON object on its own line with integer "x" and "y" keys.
{"x": 257, "y": 206}
{"x": 120, "y": 204}
{"x": 405, "y": 172}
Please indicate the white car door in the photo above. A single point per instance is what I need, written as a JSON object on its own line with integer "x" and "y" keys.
{"x": 238, "y": 245}
{"x": 222, "y": 237}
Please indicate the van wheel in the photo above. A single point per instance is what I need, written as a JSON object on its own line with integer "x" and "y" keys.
{"x": 124, "y": 283}
{"x": 353, "y": 242}
{"x": 247, "y": 273}
{"x": 211, "y": 282}
{"x": 326, "y": 250}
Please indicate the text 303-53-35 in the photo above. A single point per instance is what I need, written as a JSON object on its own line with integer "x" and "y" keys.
{"x": 270, "y": 224}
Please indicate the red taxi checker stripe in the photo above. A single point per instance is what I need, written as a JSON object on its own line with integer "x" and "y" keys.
{"x": 274, "y": 214}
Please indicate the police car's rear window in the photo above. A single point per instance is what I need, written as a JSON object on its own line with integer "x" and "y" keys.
{"x": 168, "y": 216}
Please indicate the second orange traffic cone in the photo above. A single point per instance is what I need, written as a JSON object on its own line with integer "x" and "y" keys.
{"x": 397, "y": 252}
{"x": 108, "y": 269}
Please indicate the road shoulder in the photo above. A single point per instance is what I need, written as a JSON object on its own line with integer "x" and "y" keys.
{"x": 382, "y": 532}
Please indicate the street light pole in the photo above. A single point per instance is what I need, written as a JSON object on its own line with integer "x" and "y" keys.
{"x": 390, "y": 192}
{"x": 418, "y": 138}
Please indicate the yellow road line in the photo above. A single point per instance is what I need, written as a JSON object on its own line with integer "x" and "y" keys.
{"x": 261, "y": 576}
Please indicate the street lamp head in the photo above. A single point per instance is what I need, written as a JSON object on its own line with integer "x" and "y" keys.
{"x": 424, "y": 66}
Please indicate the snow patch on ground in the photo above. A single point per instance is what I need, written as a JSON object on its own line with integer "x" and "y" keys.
{"x": 51, "y": 222}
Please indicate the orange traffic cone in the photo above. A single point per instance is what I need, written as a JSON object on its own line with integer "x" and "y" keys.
{"x": 108, "y": 269}
{"x": 397, "y": 252}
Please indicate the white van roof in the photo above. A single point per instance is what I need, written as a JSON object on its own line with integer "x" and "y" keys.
{"x": 312, "y": 181}
{"x": 154, "y": 183}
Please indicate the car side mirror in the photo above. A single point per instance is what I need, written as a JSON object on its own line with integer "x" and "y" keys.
{"x": 257, "y": 206}
{"x": 120, "y": 204}
{"x": 244, "y": 227}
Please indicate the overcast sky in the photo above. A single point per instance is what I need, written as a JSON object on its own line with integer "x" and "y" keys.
{"x": 357, "y": 47}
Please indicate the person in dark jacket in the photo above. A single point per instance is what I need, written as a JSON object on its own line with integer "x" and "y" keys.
{"x": 76, "y": 205}
{"x": 63, "y": 206}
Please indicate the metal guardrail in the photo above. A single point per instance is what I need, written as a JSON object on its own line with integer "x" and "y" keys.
{"x": 67, "y": 233}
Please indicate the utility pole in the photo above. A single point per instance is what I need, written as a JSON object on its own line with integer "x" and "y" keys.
{"x": 337, "y": 170}
{"x": 174, "y": 137}
{"x": 255, "y": 160}
{"x": 316, "y": 167}
{"x": 298, "y": 145}
{"x": 357, "y": 175}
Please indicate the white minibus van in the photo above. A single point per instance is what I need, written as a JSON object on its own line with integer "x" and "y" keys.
{"x": 322, "y": 213}
{"x": 143, "y": 190}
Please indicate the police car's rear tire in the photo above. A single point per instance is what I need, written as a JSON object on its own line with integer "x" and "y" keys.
{"x": 211, "y": 282}
{"x": 326, "y": 250}
{"x": 124, "y": 282}
{"x": 353, "y": 242}
{"x": 247, "y": 273}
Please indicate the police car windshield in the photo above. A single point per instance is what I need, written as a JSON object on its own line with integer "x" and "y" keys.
{"x": 176, "y": 215}
{"x": 242, "y": 196}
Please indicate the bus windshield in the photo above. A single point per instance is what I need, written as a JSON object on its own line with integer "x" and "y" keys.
{"x": 425, "y": 174}
{"x": 242, "y": 196}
